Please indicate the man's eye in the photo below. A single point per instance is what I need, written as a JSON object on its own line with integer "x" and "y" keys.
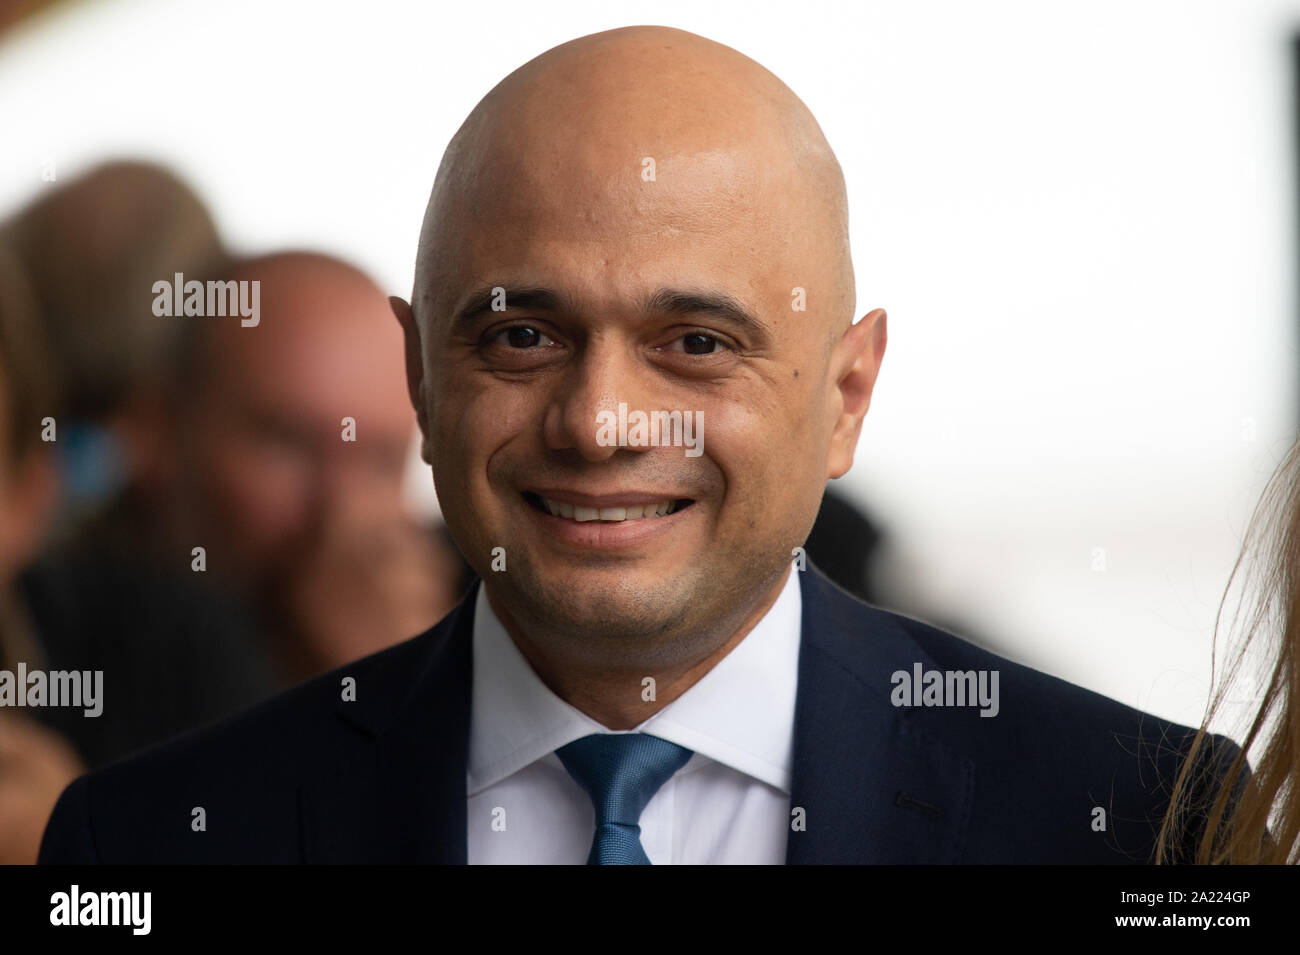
{"x": 523, "y": 336}
{"x": 697, "y": 343}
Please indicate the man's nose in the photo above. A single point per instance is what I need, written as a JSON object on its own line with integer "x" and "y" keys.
{"x": 608, "y": 374}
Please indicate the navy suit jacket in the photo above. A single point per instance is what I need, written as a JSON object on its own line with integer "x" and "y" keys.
{"x": 309, "y": 777}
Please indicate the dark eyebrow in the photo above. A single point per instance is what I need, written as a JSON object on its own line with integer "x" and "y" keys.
{"x": 480, "y": 302}
{"x": 668, "y": 301}
{"x": 665, "y": 301}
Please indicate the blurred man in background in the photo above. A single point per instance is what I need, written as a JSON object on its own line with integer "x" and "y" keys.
{"x": 291, "y": 439}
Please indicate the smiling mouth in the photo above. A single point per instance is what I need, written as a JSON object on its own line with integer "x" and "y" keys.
{"x": 609, "y": 515}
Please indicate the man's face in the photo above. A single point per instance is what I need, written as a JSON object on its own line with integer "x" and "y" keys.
{"x": 269, "y": 460}
{"x": 514, "y": 395}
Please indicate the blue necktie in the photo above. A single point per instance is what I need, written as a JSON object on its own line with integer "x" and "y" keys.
{"x": 620, "y": 772}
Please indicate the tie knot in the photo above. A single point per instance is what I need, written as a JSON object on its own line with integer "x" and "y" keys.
{"x": 621, "y": 771}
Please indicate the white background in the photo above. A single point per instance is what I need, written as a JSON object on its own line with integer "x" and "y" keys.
{"x": 1079, "y": 216}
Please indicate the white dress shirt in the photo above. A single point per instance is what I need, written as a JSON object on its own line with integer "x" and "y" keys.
{"x": 730, "y": 803}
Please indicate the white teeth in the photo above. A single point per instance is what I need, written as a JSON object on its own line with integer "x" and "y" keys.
{"x": 579, "y": 513}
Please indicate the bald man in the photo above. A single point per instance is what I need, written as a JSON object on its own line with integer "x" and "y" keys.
{"x": 287, "y": 460}
{"x": 635, "y": 225}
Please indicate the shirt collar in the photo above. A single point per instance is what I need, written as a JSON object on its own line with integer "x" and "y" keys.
{"x": 740, "y": 713}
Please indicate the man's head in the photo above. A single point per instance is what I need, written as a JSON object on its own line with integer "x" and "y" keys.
{"x": 264, "y": 459}
{"x": 655, "y": 208}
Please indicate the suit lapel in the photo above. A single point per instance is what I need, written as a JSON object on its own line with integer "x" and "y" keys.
{"x": 395, "y": 790}
{"x": 873, "y": 786}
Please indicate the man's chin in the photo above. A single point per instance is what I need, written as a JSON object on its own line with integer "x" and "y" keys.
{"x": 603, "y": 603}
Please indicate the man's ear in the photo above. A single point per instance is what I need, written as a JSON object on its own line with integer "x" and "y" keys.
{"x": 855, "y": 364}
{"x": 414, "y": 370}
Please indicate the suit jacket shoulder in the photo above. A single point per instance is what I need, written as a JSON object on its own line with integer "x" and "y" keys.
{"x": 316, "y": 773}
{"x": 965, "y": 756}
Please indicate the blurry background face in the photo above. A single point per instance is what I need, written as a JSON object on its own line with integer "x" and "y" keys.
{"x": 265, "y": 444}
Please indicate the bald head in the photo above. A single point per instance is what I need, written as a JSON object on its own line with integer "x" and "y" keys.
{"x": 297, "y": 423}
{"x": 637, "y": 222}
{"x": 648, "y": 127}
{"x": 309, "y": 299}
